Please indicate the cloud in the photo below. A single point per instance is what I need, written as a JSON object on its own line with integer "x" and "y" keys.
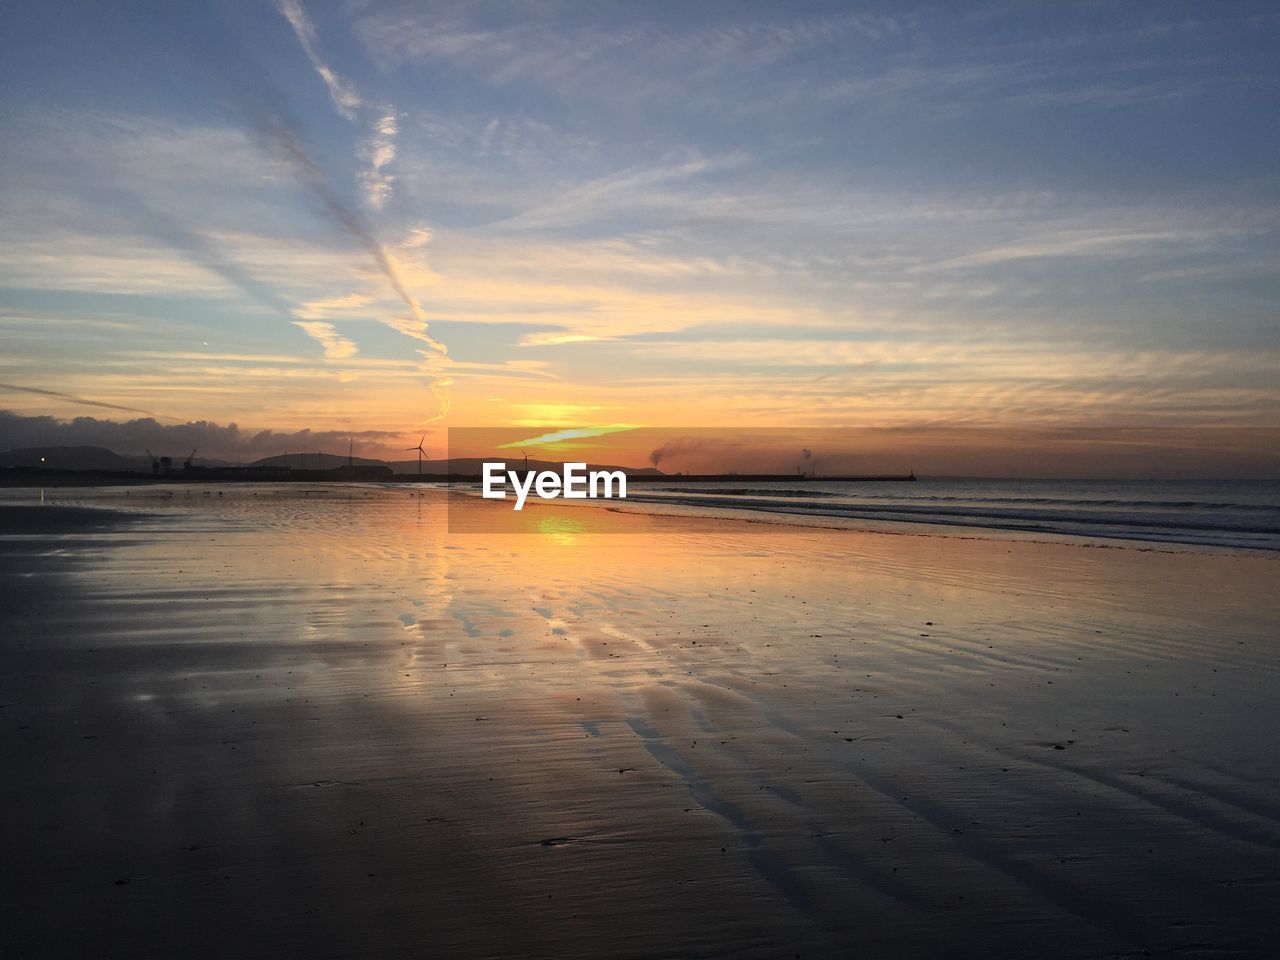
{"x": 378, "y": 150}
{"x": 519, "y": 369}
{"x": 333, "y": 306}
{"x": 417, "y": 238}
{"x": 1107, "y": 243}
{"x": 215, "y": 441}
{"x": 336, "y": 347}
{"x": 77, "y": 400}
{"x": 622, "y": 189}
{"x": 278, "y": 136}
{"x": 344, "y": 96}
{"x": 990, "y": 380}
{"x": 552, "y": 338}
{"x": 627, "y": 59}
{"x": 571, "y": 433}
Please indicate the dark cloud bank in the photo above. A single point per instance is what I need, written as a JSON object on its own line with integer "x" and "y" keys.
{"x": 213, "y": 440}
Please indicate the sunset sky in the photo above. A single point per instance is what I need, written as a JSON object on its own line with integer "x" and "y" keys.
{"x": 1053, "y": 233}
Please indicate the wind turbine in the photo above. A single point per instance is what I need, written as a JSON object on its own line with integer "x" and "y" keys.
{"x": 421, "y": 453}
{"x": 526, "y": 461}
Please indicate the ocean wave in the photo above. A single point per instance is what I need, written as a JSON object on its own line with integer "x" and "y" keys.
{"x": 1146, "y": 518}
{"x": 1039, "y": 501}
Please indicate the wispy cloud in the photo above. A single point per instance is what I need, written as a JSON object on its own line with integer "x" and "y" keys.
{"x": 570, "y": 433}
{"x": 336, "y": 346}
{"x": 627, "y": 57}
{"x": 552, "y": 338}
{"x": 1079, "y": 243}
{"x": 326, "y": 307}
{"x": 760, "y": 210}
{"x": 378, "y": 147}
{"x": 279, "y": 137}
{"x": 79, "y": 401}
{"x": 15, "y": 321}
{"x": 595, "y": 198}
{"x": 990, "y": 380}
{"x": 378, "y": 151}
{"x": 345, "y": 98}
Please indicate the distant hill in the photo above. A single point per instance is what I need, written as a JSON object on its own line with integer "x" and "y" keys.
{"x": 72, "y": 458}
{"x": 90, "y": 458}
{"x": 100, "y": 458}
{"x": 468, "y": 466}
{"x": 472, "y": 466}
{"x": 315, "y": 461}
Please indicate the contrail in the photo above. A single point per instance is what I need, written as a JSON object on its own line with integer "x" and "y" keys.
{"x": 199, "y": 249}
{"x": 379, "y": 148}
{"x": 281, "y": 138}
{"x": 82, "y": 400}
{"x": 347, "y": 101}
{"x": 266, "y": 110}
{"x": 440, "y": 390}
{"x": 345, "y": 98}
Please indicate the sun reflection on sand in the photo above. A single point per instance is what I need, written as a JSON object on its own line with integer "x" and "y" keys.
{"x": 564, "y": 531}
{"x": 822, "y": 721}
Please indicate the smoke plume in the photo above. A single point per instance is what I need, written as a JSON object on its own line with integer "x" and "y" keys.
{"x": 687, "y": 445}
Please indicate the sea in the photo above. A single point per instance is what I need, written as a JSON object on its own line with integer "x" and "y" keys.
{"x": 1215, "y": 513}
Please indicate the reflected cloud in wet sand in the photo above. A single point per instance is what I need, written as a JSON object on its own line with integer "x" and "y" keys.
{"x": 341, "y": 718}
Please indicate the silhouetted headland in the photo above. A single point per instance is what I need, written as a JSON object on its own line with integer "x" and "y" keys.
{"x": 70, "y": 466}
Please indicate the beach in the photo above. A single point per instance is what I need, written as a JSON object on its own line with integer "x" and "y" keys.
{"x": 335, "y": 721}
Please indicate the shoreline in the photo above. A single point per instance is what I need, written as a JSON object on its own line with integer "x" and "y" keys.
{"x": 652, "y": 508}
{"x": 924, "y": 527}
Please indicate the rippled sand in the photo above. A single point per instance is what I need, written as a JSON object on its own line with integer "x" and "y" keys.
{"x": 274, "y": 721}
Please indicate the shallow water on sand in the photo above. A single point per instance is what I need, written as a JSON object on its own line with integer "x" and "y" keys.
{"x": 269, "y": 720}
{"x": 1204, "y": 513}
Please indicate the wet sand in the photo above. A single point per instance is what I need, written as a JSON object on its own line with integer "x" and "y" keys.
{"x": 280, "y": 722}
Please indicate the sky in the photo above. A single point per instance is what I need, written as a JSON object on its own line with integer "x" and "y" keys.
{"x": 1020, "y": 238}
